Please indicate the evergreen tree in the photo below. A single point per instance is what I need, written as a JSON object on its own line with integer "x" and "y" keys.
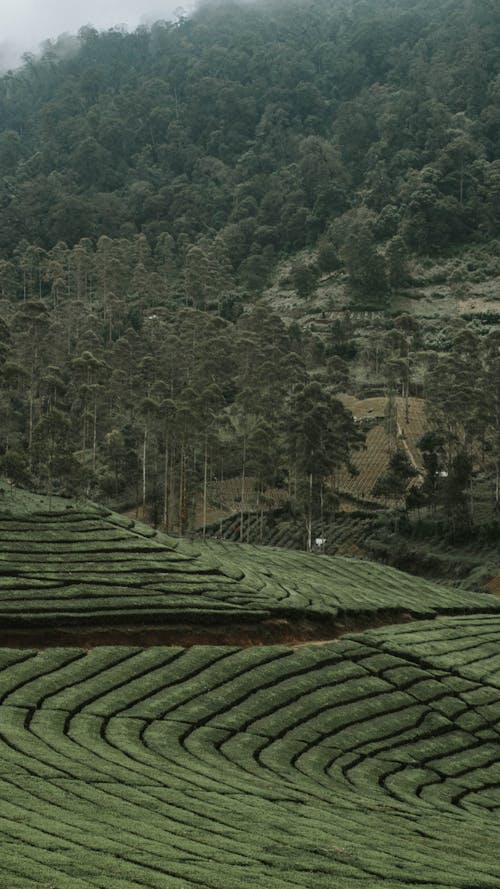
{"x": 321, "y": 434}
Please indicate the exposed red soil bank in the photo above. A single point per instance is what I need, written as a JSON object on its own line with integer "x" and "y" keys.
{"x": 493, "y": 585}
{"x": 277, "y": 631}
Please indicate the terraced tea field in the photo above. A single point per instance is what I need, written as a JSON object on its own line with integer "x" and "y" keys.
{"x": 77, "y": 568}
{"x": 369, "y": 762}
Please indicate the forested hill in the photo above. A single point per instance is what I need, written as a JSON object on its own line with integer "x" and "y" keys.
{"x": 208, "y": 148}
{"x": 155, "y": 185}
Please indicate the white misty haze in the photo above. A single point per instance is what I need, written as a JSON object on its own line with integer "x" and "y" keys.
{"x": 25, "y": 24}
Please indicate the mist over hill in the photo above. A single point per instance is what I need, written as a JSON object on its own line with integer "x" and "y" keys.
{"x": 249, "y": 290}
{"x": 264, "y": 125}
{"x": 163, "y": 192}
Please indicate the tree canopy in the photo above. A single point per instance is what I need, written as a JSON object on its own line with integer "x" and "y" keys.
{"x": 240, "y": 134}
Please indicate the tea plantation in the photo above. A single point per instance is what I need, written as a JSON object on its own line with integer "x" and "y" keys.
{"x": 72, "y": 566}
{"x": 372, "y": 761}
{"x": 368, "y": 762}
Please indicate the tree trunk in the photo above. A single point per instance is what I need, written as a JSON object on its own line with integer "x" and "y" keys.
{"x": 94, "y": 434}
{"x": 165, "y": 485}
{"x": 30, "y": 427}
{"x": 471, "y": 506}
{"x": 84, "y": 425}
{"x": 181, "y": 490}
{"x": 322, "y": 515}
{"x": 309, "y": 517}
{"x": 49, "y": 480}
{"x": 243, "y": 468}
{"x": 205, "y": 479}
{"x": 144, "y": 471}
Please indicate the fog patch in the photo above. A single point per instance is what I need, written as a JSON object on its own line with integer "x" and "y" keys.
{"x": 31, "y": 29}
{"x": 10, "y": 55}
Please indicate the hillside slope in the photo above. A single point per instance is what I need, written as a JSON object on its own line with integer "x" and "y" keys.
{"x": 224, "y": 766}
{"x": 337, "y": 160}
{"x": 368, "y": 762}
{"x": 92, "y": 568}
{"x": 246, "y": 131}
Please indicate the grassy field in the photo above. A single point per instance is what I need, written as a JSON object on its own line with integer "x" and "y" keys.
{"x": 369, "y": 762}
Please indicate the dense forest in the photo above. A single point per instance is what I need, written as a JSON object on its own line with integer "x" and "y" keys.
{"x": 152, "y": 183}
{"x": 249, "y": 131}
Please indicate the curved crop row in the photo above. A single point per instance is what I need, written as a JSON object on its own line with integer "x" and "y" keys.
{"x": 370, "y": 762}
{"x": 75, "y": 565}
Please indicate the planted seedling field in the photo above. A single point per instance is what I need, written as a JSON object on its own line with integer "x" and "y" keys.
{"x": 369, "y": 762}
{"x": 76, "y": 569}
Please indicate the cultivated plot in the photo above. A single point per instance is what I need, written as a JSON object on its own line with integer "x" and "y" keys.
{"x": 373, "y": 761}
{"x": 71, "y": 566}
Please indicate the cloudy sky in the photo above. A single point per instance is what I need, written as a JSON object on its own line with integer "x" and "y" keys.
{"x": 25, "y": 24}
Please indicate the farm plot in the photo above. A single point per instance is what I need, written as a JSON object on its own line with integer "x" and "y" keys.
{"x": 65, "y": 568}
{"x": 370, "y": 762}
{"x": 372, "y": 461}
{"x": 370, "y": 465}
{"x": 345, "y": 587}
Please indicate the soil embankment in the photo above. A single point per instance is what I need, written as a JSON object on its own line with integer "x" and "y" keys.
{"x": 275, "y": 631}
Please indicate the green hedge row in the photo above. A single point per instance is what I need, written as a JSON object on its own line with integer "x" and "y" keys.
{"x": 349, "y": 765}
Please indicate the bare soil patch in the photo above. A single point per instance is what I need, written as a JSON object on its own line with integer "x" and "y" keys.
{"x": 275, "y": 631}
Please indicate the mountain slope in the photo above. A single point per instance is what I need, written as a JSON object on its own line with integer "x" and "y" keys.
{"x": 93, "y": 568}
{"x": 262, "y": 124}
